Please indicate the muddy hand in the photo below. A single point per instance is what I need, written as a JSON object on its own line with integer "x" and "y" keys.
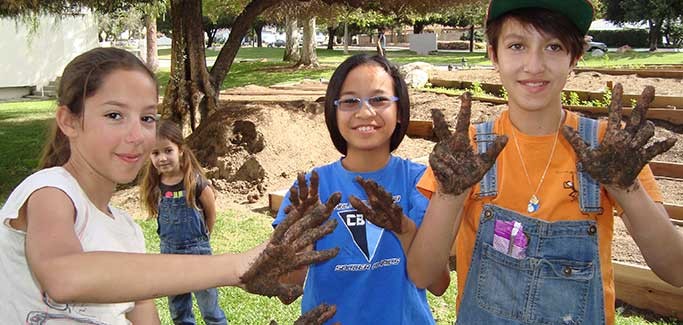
{"x": 317, "y": 316}
{"x": 306, "y": 222}
{"x": 622, "y": 153}
{"x": 456, "y": 165}
{"x": 384, "y": 212}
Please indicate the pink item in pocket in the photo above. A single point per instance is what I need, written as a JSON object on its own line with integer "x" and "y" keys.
{"x": 509, "y": 238}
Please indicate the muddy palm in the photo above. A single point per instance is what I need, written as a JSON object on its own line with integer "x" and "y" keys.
{"x": 287, "y": 250}
{"x": 623, "y": 153}
{"x": 456, "y": 165}
{"x": 384, "y": 212}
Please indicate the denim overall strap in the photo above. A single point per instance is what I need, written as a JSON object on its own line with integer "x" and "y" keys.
{"x": 484, "y": 138}
{"x": 589, "y": 188}
{"x": 556, "y": 281}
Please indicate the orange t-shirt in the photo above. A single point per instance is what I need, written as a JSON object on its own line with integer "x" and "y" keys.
{"x": 558, "y": 198}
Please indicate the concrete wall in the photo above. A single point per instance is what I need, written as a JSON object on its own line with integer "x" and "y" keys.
{"x": 35, "y": 58}
{"x": 422, "y": 43}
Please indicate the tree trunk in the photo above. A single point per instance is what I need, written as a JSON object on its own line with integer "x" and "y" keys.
{"x": 330, "y": 37}
{"x": 471, "y": 38}
{"x": 418, "y": 27}
{"x": 190, "y": 95}
{"x": 291, "y": 41}
{"x": 240, "y": 28}
{"x": 347, "y": 38}
{"x": 210, "y": 37}
{"x": 308, "y": 55}
{"x": 152, "y": 55}
{"x": 655, "y": 26}
{"x": 259, "y": 35}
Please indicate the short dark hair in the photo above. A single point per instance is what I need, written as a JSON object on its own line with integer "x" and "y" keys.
{"x": 334, "y": 88}
{"x": 546, "y": 22}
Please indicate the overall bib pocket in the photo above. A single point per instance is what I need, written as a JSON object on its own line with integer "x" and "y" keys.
{"x": 546, "y": 291}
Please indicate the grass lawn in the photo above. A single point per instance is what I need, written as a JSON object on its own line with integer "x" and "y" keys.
{"x": 23, "y": 129}
{"x": 336, "y": 56}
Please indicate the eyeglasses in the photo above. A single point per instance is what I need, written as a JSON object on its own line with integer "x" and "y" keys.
{"x": 354, "y": 103}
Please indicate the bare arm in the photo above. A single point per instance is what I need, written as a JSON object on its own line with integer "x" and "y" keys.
{"x": 649, "y": 225}
{"x": 457, "y": 167}
{"x": 208, "y": 200}
{"x": 616, "y": 163}
{"x": 431, "y": 248}
{"x": 145, "y": 312}
{"x": 440, "y": 285}
{"x": 68, "y": 274}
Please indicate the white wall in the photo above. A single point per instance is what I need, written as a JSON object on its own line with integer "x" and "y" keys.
{"x": 34, "y": 59}
{"x": 422, "y": 43}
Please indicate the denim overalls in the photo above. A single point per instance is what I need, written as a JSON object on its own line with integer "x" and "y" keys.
{"x": 558, "y": 282}
{"x": 182, "y": 230}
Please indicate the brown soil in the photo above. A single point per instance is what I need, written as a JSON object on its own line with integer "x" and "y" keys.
{"x": 295, "y": 139}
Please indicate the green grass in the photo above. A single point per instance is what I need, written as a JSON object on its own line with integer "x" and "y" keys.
{"x": 23, "y": 128}
{"x": 612, "y": 59}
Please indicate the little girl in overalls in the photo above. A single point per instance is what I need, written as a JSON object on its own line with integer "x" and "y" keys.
{"x": 175, "y": 190}
{"x": 533, "y": 209}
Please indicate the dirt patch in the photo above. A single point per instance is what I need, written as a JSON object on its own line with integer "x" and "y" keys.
{"x": 269, "y": 143}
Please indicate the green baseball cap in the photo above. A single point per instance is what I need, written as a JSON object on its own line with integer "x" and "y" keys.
{"x": 580, "y": 12}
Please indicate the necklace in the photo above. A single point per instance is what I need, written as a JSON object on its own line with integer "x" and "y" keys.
{"x": 534, "y": 201}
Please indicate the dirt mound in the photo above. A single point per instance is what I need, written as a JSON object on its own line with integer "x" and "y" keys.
{"x": 252, "y": 148}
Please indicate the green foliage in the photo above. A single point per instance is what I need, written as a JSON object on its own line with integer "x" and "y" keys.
{"x": 616, "y": 38}
{"x": 504, "y": 93}
{"x": 17, "y": 8}
{"x": 476, "y": 89}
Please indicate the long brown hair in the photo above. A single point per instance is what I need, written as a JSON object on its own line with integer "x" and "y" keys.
{"x": 189, "y": 165}
{"x": 82, "y": 77}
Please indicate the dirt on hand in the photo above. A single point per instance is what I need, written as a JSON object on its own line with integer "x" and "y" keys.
{"x": 318, "y": 315}
{"x": 455, "y": 163}
{"x": 384, "y": 212}
{"x": 306, "y": 222}
{"x": 622, "y": 154}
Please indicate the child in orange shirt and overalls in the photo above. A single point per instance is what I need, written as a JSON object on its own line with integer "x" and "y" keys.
{"x": 534, "y": 217}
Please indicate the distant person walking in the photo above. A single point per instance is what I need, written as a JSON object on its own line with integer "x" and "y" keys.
{"x": 381, "y": 43}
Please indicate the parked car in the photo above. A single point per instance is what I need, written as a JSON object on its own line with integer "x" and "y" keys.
{"x": 592, "y": 46}
{"x": 277, "y": 43}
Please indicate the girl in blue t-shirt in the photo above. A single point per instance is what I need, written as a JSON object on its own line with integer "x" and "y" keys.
{"x": 367, "y": 110}
{"x": 175, "y": 191}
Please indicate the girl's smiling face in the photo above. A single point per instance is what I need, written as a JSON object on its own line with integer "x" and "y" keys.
{"x": 533, "y": 67}
{"x": 166, "y": 157}
{"x": 367, "y": 128}
{"x": 114, "y": 136}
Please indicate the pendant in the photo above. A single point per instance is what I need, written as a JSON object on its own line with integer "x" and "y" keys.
{"x": 533, "y": 204}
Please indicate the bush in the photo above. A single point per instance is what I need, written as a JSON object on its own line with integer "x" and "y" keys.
{"x": 458, "y": 45}
{"x": 617, "y": 38}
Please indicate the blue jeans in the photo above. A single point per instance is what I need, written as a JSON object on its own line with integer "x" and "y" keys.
{"x": 180, "y": 306}
{"x": 182, "y": 230}
{"x": 558, "y": 282}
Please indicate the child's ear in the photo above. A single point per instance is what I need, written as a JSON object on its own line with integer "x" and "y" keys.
{"x": 492, "y": 56}
{"x": 67, "y": 122}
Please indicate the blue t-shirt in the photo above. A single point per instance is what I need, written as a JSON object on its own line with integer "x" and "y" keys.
{"x": 368, "y": 280}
